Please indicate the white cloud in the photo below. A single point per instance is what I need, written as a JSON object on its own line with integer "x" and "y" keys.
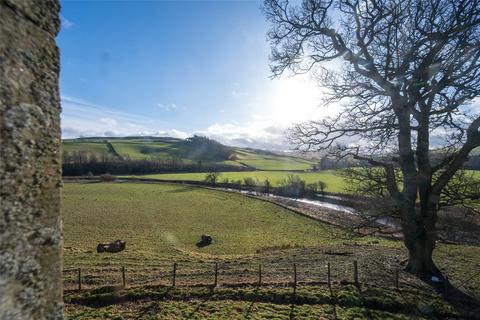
{"x": 253, "y": 134}
{"x": 81, "y": 118}
{"x": 167, "y": 107}
{"x": 273, "y": 110}
{"x": 66, "y": 24}
{"x": 109, "y": 121}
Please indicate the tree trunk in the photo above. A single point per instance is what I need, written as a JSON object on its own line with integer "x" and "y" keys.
{"x": 419, "y": 238}
{"x": 30, "y": 163}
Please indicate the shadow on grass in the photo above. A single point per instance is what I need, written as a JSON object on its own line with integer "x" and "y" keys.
{"x": 293, "y": 311}
{"x": 204, "y": 300}
{"x": 248, "y": 314}
{"x": 370, "y": 299}
{"x": 333, "y": 302}
{"x": 461, "y": 301}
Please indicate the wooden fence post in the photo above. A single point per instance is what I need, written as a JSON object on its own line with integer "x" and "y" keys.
{"x": 397, "y": 282}
{"x": 216, "y": 274}
{"x": 294, "y": 278}
{"x": 259, "y": 274}
{"x": 355, "y": 272}
{"x": 124, "y": 282}
{"x": 445, "y": 281}
{"x": 79, "y": 279}
{"x": 328, "y": 275}
{"x": 174, "y": 274}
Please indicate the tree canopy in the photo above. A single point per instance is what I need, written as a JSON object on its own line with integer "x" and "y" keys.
{"x": 405, "y": 73}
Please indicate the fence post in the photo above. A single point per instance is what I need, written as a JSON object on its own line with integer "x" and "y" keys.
{"x": 259, "y": 274}
{"x": 355, "y": 272}
{"x": 124, "y": 282}
{"x": 294, "y": 278}
{"x": 216, "y": 274}
{"x": 174, "y": 274}
{"x": 328, "y": 275}
{"x": 397, "y": 282}
{"x": 79, "y": 279}
{"x": 445, "y": 281}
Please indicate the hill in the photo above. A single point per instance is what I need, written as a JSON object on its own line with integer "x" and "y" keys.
{"x": 192, "y": 150}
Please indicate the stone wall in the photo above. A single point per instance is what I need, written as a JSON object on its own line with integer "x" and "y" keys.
{"x": 30, "y": 177}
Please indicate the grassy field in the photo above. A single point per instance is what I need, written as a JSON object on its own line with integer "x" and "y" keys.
{"x": 166, "y": 148}
{"x": 161, "y": 220}
{"x": 136, "y": 150}
{"x": 97, "y": 148}
{"x": 255, "y": 303}
{"x": 335, "y": 182}
{"x": 267, "y": 161}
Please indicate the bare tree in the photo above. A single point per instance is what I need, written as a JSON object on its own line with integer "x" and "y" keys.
{"x": 404, "y": 72}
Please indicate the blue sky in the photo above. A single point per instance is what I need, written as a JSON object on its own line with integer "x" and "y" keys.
{"x": 175, "y": 68}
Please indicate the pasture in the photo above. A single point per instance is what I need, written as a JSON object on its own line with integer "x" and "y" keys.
{"x": 136, "y": 150}
{"x": 167, "y": 148}
{"x": 91, "y": 146}
{"x": 335, "y": 182}
{"x": 161, "y": 224}
{"x": 270, "y": 161}
{"x": 162, "y": 221}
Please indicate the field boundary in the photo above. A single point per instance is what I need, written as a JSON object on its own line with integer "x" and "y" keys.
{"x": 287, "y": 276}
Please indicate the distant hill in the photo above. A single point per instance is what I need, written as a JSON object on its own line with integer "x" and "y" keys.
{"x": 192, "y": 150}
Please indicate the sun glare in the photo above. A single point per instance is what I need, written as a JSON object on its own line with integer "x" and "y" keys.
{"x": 294, "y": 99}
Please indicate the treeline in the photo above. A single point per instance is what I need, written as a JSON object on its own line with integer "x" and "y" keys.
{"x": 290, "y": 186}
{"x": 331, "y": 163}
{"x": 203, "y": 148}
{"x": 195, "y": 154}
{"x": 113, "y": 166}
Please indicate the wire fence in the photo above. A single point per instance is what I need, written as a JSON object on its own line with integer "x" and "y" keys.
{"x": 237, "y": 274}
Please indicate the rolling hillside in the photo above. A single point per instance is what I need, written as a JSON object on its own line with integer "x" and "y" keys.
{"x": 188, "y": 151}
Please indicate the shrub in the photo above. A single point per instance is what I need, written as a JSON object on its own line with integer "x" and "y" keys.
{"x": 316, "y": 187}
{"x": 312, "y": 188}
{"x": 211, "y": 177}
{"x": 266, "y": 186}
{"x": 322, "y": 186}
{"x": 292, "y": 186}
{"x": 249, "y": 181}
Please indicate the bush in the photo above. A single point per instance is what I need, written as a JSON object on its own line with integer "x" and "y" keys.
{"x": 316, "y": 187}
{"x": 249, "y": 181}
{"x": 266, "y": 186}
{"x": 211, "y": 177}
{"x": 292, "y": 186}
{"x": 108, "y": 177}
{"x": 322, "y": 186}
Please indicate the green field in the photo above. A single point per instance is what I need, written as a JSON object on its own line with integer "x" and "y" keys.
{"x": 88, "y": 146}
{"x": 161, "y": 224}
{"x": 335, "y": 182}
{"x": 159, "y": 221}
{"x": 136, "y": 150}
{"x": 167, "y": 148}
{"x": 268, "y": 161}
